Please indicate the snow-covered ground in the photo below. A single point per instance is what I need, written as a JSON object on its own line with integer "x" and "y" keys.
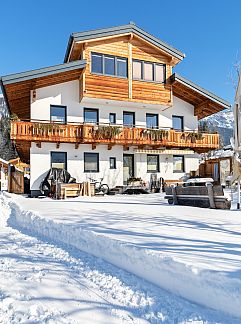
{"x": 191, "y": 252}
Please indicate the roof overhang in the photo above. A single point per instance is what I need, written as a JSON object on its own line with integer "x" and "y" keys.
{"x": 117, "y": 31}
{"x": 205, "y": 102}
{"x": 16, "y": 87}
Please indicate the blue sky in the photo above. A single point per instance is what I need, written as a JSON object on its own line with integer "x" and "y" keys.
{"x": 34, "y": 34}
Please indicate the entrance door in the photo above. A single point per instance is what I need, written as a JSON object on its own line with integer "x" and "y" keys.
{"x": 128, "y": 167}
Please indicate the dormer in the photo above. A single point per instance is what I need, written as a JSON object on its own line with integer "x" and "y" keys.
{"x": 124, "y": 63}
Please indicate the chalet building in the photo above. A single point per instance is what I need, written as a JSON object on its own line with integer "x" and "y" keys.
{"x": 113, "y": 109}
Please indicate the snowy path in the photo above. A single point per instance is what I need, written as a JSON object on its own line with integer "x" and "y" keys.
{"x": 47, "y": 283}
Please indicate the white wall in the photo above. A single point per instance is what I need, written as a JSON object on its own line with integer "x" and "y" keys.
{"x": 40, "y": 163}
{"x": 67, "y": 94}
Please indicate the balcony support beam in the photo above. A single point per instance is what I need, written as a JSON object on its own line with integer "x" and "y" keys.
{"x": 94, "y": 146}
{"x": 38, "y": 144}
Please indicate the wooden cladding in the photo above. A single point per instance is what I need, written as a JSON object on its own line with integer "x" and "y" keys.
{"x": 89, "y": 134}
{"x": 126, "y": 89}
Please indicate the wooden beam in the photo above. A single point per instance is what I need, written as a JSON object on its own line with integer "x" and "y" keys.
{"x": 130, "y": 68}
{"x": 93, "y": 146}
{"x": 76, "y": 146}
{"x": 57, "y": 145}
{"x": 38, "y": 144}
{"x": 110, "y": 147}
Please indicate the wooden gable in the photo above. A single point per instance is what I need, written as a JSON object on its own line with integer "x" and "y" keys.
{"x": 126, "y": 89}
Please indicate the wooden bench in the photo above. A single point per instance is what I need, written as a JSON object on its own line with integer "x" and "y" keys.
{"x": 200, "y": 196}
{"x": 70, "y": 190}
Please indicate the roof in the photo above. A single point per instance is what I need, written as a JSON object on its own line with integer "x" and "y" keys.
{"x": 16, "y": 87}
{"x": 205, "y": 102}
{"x": 124, "y": 29}
{"x": 33, "y": 74}
{"x": 197, "y": 88}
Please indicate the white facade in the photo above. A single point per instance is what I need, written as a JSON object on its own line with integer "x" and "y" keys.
{"x": 67, "y": 94}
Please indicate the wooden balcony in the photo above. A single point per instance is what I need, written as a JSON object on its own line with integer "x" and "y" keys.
{"x": 105, "y": 134}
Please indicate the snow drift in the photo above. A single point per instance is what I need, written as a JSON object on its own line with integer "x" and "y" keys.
{"x": 212, "y": 289}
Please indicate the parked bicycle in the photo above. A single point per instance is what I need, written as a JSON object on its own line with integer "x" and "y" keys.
{"x": 100, "y": 188}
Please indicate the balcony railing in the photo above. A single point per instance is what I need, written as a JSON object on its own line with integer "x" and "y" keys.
{"x": 106, "y": 134}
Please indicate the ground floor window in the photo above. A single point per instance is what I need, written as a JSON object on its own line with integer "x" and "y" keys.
{"x": 153, "y": 163}
{"x": 59, "y": 160}
{"x": 178, "y": 163}
{"x": 91, "y": 162}
{"x": 112, "y": 163}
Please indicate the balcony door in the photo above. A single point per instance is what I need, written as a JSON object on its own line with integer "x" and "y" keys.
{"x": 91, "y": 116}
{"x": 152, "y": 120}
{"x": 128, "y": 167}
{"x": 58, "y": 114}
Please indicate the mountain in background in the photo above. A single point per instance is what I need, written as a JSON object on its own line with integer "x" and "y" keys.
{"x": 222, "y": 123}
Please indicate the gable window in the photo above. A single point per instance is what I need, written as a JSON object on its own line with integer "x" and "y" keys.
{"x": 91, "y": 115}
{"x": 137, "y": 70}
{"x": 152, "y": 120}
{"x": 149, "y": 71}
{"x": 128, "y": 118}
{"x": 177, "y": 123}
{"x": 153, "y": 163}
{"x": 59, "y": 160}
{"x": 121, "y": 67}
{"x": 109, "y": 65}
{"x": 112, "y": 118}
{"x": 58, "y": 114}
{"x": 112, "y": 163}
{"x": 91, "y": 162}
{"x": 96, "y": 63}
{"x": 160, "y": 73}
{"x": 178, "y": 163}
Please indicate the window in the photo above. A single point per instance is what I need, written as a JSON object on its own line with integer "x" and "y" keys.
{"x": 121, "y": 67}
{"x": 149, "y": 71}
{"x": 178, "y": 163}
{"x": 59, "y": 160}
{"x": 112, "y": 163}
{"x": 91, "y": 162}
{"x": 177, "y": 123}
{"x": 112, "y": 118}
{"x": 160, "y": 72}
{"x": 96, "y": 63}
{"x": 151, "y": 120}
{"x": 91, "y": 115}
{"x": 153, "y": 163}
{"x": 58, "y": 114}
{"x": 137, "y": 70}
{"x": 128, "y": 118}
{"x": 109, "y": 65}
